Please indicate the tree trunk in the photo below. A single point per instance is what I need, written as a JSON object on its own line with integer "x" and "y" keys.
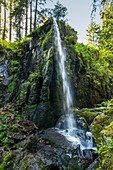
{"x": 10, "y": 22}
{"x": 26, "y": 24}
{"x": 4, "y": 27}
{"x": 36, "y": 6}
{"x": 30, "y": 15}
{"x": 19, "y": 29}
{"x": 0, "y": 19}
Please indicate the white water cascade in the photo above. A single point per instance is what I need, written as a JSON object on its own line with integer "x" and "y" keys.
{"x": 66, "y": 88}
{"x": 68, "y": 126}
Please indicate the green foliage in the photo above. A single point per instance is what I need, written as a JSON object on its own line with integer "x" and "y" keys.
{"x": 103, "y": 33}
{"x": 13, "y": 46}
{"x": 25, "y": 40}
{"x": 102, "y": 128}
{"x": 106, "y": 35}
{"x": 47, "y": 40}
{"x": 28, "y": 106}
{"x": 33, "y": 76}
{"x": 8, "y": 161}
{"x": 68, "y": 34}
{"x": 93, "y": 34}
{"x": 105, "y": 152}
{"x": 88, "y": 56}
{"x": 24, "y": 165}
{"x": 86, "y": 51}
{"x": 59, "y": 11}
{"x": 11, "y": 87}
{"x": 43, "y": 21}
{"x": 14, "y": 62}
{"x": 8, "y": 119}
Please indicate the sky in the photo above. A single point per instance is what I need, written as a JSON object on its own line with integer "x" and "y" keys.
{"x": 79, "y": 12}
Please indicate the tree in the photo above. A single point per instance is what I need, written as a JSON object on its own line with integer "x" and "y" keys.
{"x": 93, "y": 33}
{"x": 39, "y": 3}
{"x": 0, "y": 18}
{"x": 59, "y": 11}
{"x": 10, "y": 20}
{"x": 30, "y": 15}
{"x": 18, "y": 14}
{"x": 35, "y": 15}
{"x": 4, "y": 26}
{"x": 106, "y": 29}
{"x": 26, "y": 24}
{"x": 99, "y": 3}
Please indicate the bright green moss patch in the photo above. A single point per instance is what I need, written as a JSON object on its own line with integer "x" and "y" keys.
{"x": 13, "y": 46}
{"x": 89, "y": 113}
{"x": 8, "y": 161}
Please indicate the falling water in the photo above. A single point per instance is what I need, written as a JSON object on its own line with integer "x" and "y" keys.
{"x": 70, "y": 131}
{"x": 66, "y": 88}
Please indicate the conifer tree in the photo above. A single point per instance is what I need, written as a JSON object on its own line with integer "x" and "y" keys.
{"x": 10, "y": 20}
{"x": 4, "y": 24}
{"x": 31, "y": 15}
{"x": 39, "y": 3}
{"x": 18, "y": 14}
{"x": 0, "y": 18}
{"x": 26, "y": 14}
{"x": 59, "y": 11}
{"x": 93, "y": 33}
{"x": 106, "y": 31}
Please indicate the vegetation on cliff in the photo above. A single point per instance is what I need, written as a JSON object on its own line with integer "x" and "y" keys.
{"x": 31, "y": 91}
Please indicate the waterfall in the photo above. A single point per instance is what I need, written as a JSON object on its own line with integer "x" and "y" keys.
{"x": 68, "y": 125}
{"x": 66, "y": 88}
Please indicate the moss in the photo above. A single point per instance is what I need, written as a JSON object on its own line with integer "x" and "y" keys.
{"x": 102, "y": 128}
{"x": 47, "y": 40}
{"x": 88, "y": 113}
{"x": 106, "y": 153}
{"x": 8, "y": 161}
{"x": 33, "y": 76}
{"x": 8, "y": 124}
{"x": 24, "y": 165}
{"x": 13, "y": 46}
{"x": 73, "y": 165}
{"x": 14, "y": 62}
{"x": 30, "y": 106}
{"x": 11, "y": 87}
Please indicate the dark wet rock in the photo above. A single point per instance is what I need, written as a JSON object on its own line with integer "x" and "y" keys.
{"x": 1, "y": 154}
{"x": 55, "y": 138}
{"x": 34, "y": 149}
{"x": 4, "y": 79}
{"x": 51, "y": 150}
{"x": 18, "y": 136}
{"x": 4, "y": 73}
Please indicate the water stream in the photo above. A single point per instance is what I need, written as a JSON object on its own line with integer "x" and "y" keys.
{"x": 67, "y": 125}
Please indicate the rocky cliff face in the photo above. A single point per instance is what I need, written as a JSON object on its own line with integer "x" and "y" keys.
{"x": 30, "y": 76}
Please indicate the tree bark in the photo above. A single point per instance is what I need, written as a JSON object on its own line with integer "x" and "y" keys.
{"x": 26, "y": 25}
{"x": 35, "y": 17}
{"x": 4, "y": 27}
{"x": 10, "y": 21}
{"x": 0, "y": 18}
{"x": 30, "y": 15}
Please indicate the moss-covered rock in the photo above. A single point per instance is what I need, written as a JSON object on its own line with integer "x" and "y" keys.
{"x": 7, "y": 162}
{"x": 102, "y": 128}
